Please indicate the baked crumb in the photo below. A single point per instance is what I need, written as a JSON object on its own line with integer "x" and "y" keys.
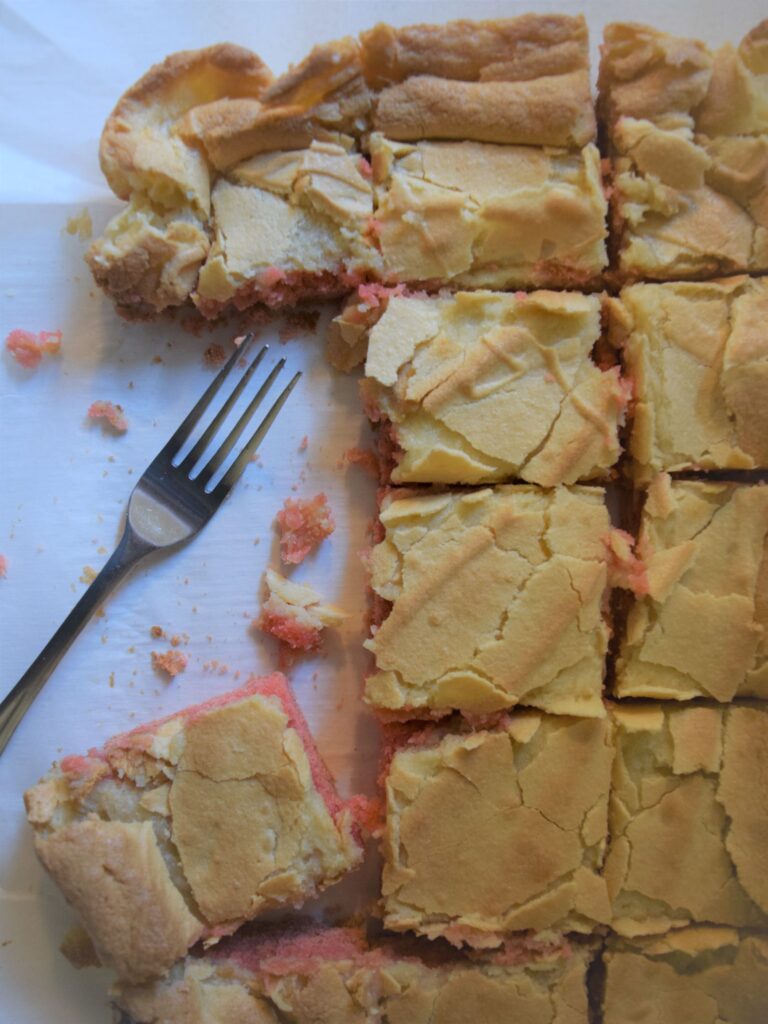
{"x": 3, "y": 567}
{"x": 214, "y": 356}
{"x": 295, "y": 613}
{"x": 304, "y": 444}
{"x": 109, "y": 412}
{"x": 81, "y": 225}
{"x": 171, "y": 662}
{"x": 366, "y": 458}
{"x": 89, "y": 574}
{"x": 303, "y": 525}
{"x": 157, "y": 632}
{"x": 28, "y": 349}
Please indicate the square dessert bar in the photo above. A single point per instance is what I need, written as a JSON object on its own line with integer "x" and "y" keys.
{"x": 696, "y": 355}
{"x": 477, "y": 215}
{"x": 333, "y": 975}
{"x": 688, "y": 136}
{"x": 187, "y": 827}
{"x": 702, "y": 975}
{"x": 490, "y": 598}
{"x": 498, "y": 831}
{"x": 480, "y": 387}
{"x": 699, "y": 627}
{"x": 688, "y": 818}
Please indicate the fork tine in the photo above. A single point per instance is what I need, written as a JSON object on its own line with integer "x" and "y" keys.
{"x": 208, "y": 434}
{"x": 218, "y": 458}
{"x": 186, "y": 427}
{"x": 235, "y": 471}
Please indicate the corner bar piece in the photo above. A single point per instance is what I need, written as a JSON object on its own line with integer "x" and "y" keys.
{"x": 186, "y": 828}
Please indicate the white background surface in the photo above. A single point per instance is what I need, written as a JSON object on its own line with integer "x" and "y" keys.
{"x": 64, "y": 484}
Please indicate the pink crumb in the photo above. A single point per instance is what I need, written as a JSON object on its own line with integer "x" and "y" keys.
{"x": 625, "y": 569}
{"x": 366, "y": 458}
{"x": 3, "y": 567}
{"x": 111, "y": 413}
{"x": 271, "y": 276}
{"x": 374, "y": 294}
{"x": 286, "y": 628}
{"x": 304, "y": 444}
{"x": 303, "y": 524}
{"x": 28, "y": 349}
{"x": 171, "y": 662}
{"x": 364, "y": 166}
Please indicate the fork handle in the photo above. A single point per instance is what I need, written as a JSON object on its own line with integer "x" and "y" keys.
{"x": 13, "y": 708}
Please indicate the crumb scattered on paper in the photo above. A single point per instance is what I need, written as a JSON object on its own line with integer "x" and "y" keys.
{"x": 110, "y": 413}
{"x": 171, "y": 662}
{"x": 214, "y": 356}
{"x": 89, "y": 575}
{"x": 81, "y": 225}
{"x": 303, "y": 525}
{"x": 366, "y": 458}
{"x": 3, "y": 567}
{"x": 28, "y": 349}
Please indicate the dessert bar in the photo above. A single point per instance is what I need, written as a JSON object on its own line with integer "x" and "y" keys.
{"x": 688, "y": 817}
{"x": 481, "y": 387}
{"x": 488, "y": 599}
{"x": 499, "y": 830}
{"x": 699, "y": 627}
{"x": 187, "y": 827}
{"x": 312, "y": 974}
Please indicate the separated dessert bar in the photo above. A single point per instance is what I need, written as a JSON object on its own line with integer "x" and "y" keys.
{"x": 498, "y": 831}
{"x": 688, "y": 818}
{"x": 481, "y": 386}
{"x": 185, "y": 828}
{"x": 334, "y": 975}
{"x": 699, "y": 627}
{"x": 702, "y": 974}
{"x": 490, "y": 598}
{"x": 696, "y": 355}
{"x": 688, "y": 135}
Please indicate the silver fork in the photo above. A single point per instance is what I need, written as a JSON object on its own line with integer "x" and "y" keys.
{"x": 167, "y": 506}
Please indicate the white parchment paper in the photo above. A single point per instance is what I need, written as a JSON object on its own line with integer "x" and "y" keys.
{"x": 64, "y": 483}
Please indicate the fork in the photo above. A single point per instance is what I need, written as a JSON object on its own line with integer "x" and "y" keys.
{"x": 170, "y": 503}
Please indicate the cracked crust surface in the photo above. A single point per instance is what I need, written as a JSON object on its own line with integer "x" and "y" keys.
{"x": 285, "y": 214}
{"x": 478, "y": 215}
{"x": 189, "y": 827}
{"x": 518, "y": 80}
{"x": 361, "y": 986}
{"x": 495, "y": 831}
{"x": 697, "y": 354}
{"x": 480, "y": 387}
{"x": 496, "y": 599}
{"x": 688, "y": 818}
{"x": 689, "y": 137}
{"x": 702, "y": 628}
{"x": 691, "y": 976}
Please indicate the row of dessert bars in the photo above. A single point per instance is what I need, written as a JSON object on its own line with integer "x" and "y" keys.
{"x": 460, "y": 155}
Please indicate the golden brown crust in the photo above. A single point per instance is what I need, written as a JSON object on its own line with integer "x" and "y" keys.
{"x": 139, "y": 150}
{"x": 494, "y": 832}
{"x": 698, "y": 357}
{"x": 692, "y": 976}
{"x": 688, "y": 830}
{"x": 113, "y": 874}
{"x": 519, "y": 80}
{"x": 323, "y": 97}
{"x": 533, "y": 633}
{"x": 482, "y": 387}
{"x": 511, "y": 49}
{"x": 547, "y": 111}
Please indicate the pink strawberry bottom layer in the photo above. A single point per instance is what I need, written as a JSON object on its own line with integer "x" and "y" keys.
{"x": 278, "y": 951}
{"x": 275, "y": 685}
{"x": 278, "y": 289}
